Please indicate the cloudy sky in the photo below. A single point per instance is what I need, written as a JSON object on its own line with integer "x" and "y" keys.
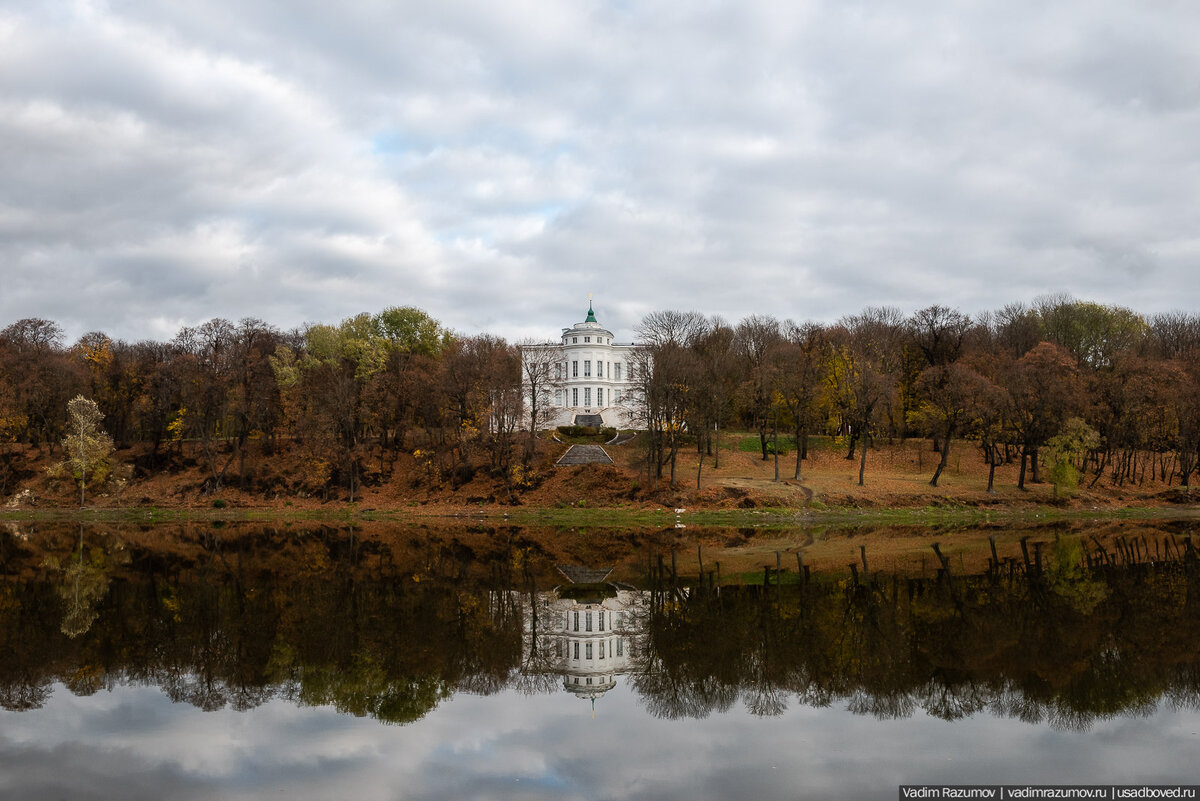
{"x": 162, "y": 163}
{"x": 132, "y": 743}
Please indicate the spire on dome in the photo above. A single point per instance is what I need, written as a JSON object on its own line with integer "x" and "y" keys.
{"x": 591, "y": 317}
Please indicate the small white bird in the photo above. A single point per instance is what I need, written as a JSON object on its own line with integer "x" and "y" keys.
{"x": 680, "y": 511}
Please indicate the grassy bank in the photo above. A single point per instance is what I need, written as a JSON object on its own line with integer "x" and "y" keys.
{"x": 622, "y": 517}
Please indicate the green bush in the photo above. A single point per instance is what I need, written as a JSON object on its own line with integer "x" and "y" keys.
{"x": 578, "y": 431}
{"x": 219, "y": 503}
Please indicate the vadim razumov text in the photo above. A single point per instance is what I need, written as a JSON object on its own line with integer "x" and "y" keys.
{"x": 1023, "y": 791}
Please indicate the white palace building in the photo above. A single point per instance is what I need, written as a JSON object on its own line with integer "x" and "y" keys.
{"x": 590, "y": 377}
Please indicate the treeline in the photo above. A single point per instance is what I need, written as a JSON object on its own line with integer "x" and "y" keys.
{"x": 1086, "y": 389}
{"x": 347, "y": 398}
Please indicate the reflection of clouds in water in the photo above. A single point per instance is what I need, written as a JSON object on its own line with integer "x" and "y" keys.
{"x": 133, "y": 743}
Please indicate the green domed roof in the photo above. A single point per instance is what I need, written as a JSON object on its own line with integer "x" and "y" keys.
{"x": 591, "y": 318}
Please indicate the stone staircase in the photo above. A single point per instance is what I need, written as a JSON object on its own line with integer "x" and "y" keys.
{"x": 584, "y": 454}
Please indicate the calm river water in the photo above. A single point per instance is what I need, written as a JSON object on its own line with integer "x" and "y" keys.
{"x": 259, "y": 662}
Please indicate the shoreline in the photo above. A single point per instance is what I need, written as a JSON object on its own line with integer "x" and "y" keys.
{"x": 613, "y": 517}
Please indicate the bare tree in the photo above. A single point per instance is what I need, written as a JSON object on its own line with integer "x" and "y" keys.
{"x": 669, "y": 326}
{"x": 541, "y": 374}
{"x": 717, "y": 362}
{"x": 865, "y": 368}
{"x": 803, "y": 360}
{"x": 757, "y": 336}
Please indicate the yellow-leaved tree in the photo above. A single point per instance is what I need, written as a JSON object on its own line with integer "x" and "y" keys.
{"x": 89, "y": 448}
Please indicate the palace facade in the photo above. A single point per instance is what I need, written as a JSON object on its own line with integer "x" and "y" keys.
{"x": 589, "y": 379}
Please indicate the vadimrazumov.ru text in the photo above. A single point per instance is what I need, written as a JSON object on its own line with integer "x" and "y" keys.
{"x": 1035, "y": 791}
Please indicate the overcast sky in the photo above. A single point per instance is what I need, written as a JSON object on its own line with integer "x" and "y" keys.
{"x": 132, "y": 743}
{"x": 162, "y": 163}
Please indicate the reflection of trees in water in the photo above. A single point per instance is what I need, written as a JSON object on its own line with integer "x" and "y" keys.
{"x": 1067, "y": 648}
{"x": 20, "y": 697}
{"x": 85, "y": 582}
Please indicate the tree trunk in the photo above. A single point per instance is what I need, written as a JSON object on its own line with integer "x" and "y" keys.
{"x": 716, "y": 446}
{"x": 942, "y": 462}
{"x": 799, "y": 453}
{"x": 775, "y": 444}
{"x": 1024, "y": 461}
{"x": 862, "y": 461}
{"x": 1033, "y": 458}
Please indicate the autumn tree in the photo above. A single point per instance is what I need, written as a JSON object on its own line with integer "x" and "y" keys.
{"x": 482, "y": 378}
{"x": 89, "y": 449}
{"x": 756, "y": 338}
{"x": 1015, "y": 329}
{"x": 1187, "y": 439}
{"x": 406, "y": 391}
{"x": 666, "y": 369}
{"x": 942, "y": 390}
{"x": 1174, "y": 335}
{"x": 864, "y": 358}
{"x": 325, "y": 389}
{"x": 988, "y": 416}
{"x": 802, "y": 362}
{"x": 42, "y": 377}
{"x": 717, "y": 363}
{"x": 205, "y": 355}
{"x": 949, "y": 399}
{"x": 1094, "y": 333}
{"x": 1044, "y": 391}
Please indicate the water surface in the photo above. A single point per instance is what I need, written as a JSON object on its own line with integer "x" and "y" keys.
{"x": 325, "y": 663}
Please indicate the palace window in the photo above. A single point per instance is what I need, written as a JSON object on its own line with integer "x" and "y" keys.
{"x": 617, "y": 371}
{"x": 577, "y": 621}
{"x": 631, "y": 372}
{"x": 587, "y": 396}
{"x": 601, "y": 621}
{"x": 558, "y": 371}
{"x": 576, "y": 650}
{"x": 599, "y": 369}
{"x": 575, "y": 396}
{"x": 602, "y": 649}
{"x": 558, "y": 397}
{"x": 599, "y": 396}
{"x": 574, "y": 340}
{"x": 588, "y": 652}
{"x": 587, "y": 368}
{"x": 587, "y": 339}
{"x": 620, "y": 647}
{"x": 574, "y": 369}
{"x": 588, "y": 622}
{"x": 617, "y": 397}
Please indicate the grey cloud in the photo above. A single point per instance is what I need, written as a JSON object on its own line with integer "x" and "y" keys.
{"x": 494, "y": 163}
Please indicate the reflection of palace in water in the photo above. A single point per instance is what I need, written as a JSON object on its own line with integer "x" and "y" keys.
{"x": 585, "y": 634}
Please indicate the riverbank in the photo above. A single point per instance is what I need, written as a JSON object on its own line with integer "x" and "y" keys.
{"x": 736, "y": 488}
{"x": 621, "y": 517}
